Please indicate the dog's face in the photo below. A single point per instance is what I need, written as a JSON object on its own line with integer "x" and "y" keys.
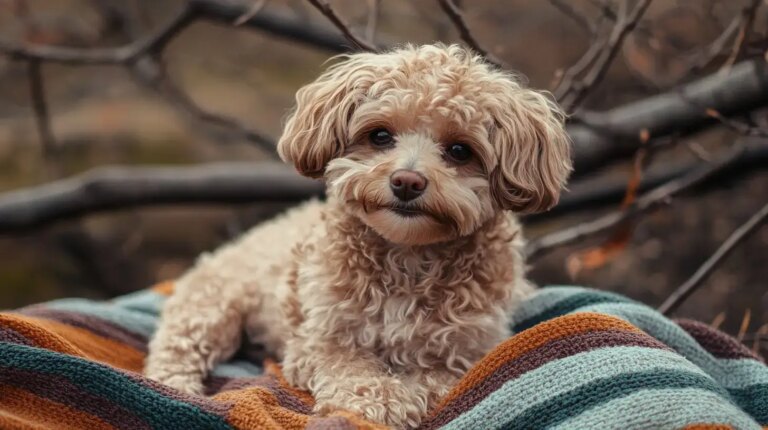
{"x": 426, "y": 144}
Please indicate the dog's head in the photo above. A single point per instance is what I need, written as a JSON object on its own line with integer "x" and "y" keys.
{"x": 425, "y": 144}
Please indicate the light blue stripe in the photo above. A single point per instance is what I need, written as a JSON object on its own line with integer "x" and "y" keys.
{"x": 542, "y": 300}
{"x": 730, "y": 373}
{"x": 564, "y": 375}
{"x": 146, "y": 301}
{"x": 135, "y": 321}
{"x": 237, "y": 369}
{"x": 661, "y": 409}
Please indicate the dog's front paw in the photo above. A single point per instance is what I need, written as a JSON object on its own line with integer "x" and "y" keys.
{"x": 189, "y": 383}
{"x": 383, "y": 400}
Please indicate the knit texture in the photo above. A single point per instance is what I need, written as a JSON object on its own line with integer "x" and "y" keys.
{"x": 581, "y": 359}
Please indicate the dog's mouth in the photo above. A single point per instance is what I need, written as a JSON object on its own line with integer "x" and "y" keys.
{"x": 406, "y": 211}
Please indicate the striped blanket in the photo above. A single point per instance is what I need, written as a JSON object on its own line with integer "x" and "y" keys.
{"x": 582, "y": 359}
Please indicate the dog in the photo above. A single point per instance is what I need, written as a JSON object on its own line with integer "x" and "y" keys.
{"x": 380, "y": 298}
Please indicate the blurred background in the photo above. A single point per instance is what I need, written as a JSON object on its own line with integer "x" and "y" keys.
{"x": 218, "y": 86}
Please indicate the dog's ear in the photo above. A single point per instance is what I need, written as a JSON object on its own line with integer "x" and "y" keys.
{"x": 317, "y": 131}
{"x": 533, "y": 150}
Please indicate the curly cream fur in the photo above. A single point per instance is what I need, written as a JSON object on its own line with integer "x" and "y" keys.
{"x": 370, "y": 310}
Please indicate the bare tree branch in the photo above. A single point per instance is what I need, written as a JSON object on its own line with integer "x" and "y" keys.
{"x": 152, "y": 44}
{"x": 599, "y": 137}
{"x": 592, "y": 192}
{"x": 688, "y": 287}
{"x": 255, "y": 8}
{"x": 325, "y": 8}
{"x": 738, "y": 126}
{"x": 151, "y": 73}
{"x": 118, "y": 188}
{"x": 625, "y": 23}
{"x": 40, "y": 106}
{"x": 457, "y": 18}
{"x": 568, "y": 10}
{"x": 374, "y": 8}
{"x": 747, "y": 19}
{"x": 115, "y": 188}
{"x": 650, "y": 201}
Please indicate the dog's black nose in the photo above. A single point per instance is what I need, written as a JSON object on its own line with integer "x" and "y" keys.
{"x": 407, "y": 184}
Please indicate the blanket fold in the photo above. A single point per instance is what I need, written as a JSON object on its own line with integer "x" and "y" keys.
{"x": 581, "y": 359}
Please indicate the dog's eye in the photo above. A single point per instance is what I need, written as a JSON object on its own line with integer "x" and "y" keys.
{"x": 459, "y": 152}
{"x": 381, "y": 137}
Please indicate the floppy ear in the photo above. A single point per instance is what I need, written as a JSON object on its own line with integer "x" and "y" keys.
{"x": 316, "y": 131}
{"x": 533, "y": 150}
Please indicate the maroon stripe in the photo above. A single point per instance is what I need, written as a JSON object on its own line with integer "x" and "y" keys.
{"x": 12, "y": 336}
{"x": 551, "y": 351}
{"x": 91, "y": 323}
{"x": 716, "y": 342}
{"x": 61, "y": 390}
{"x": 283, "y": 396}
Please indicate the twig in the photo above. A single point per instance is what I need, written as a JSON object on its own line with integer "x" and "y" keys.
{"x": 688, "y": 287}
{"x": 149, "y": 45}
{"x": 568, "y": 10}
{"x": 626, "y": 22}
{"x": 457, "y": 18}
{"x": 745, "y": 29}
{"x": 714, "y": 49}
{"x": 745, "y": 320}
{"x": 255, "y": 8}
{"x": 325, "y": 8}
{"x": 650, "y": 201}
{"x": 373, "y": 19}
{"x": 737, "y": 126}
{"x": 150, "y": 72}
{"x": 40, "y": 107}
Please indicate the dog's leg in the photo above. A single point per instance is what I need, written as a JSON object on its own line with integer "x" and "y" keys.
{"x": 201, "y": 325}
{"x": 341, "y": 379}
{"x": 437, "y": 383}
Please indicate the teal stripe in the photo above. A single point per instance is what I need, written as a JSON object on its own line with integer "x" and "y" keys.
{"x": 562, "y": 376}
{"x": 754, "y": 400}
{"x": 731, "y": 373}
{"x": 159, "y": 411}
{"x": 559, "y": 408}
{"x": 568, "y": 305}
{"x": 661, "y": 409}
{"x": 541, "y": 300}
{"x": 132, "y": 320}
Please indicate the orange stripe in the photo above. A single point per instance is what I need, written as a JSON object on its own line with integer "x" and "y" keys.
{"x": 76, "y": 341}
{"x": 23, "y": 410}
{"x": 535, "y": 337}
{"x": 164, "y": 288}
{"x": 258, "y": 408}
{"x": 38, "y": 335}
{"x": 708, "y": 427}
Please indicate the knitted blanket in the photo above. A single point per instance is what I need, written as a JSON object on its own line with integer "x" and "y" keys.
{"x": 582, "y": 359}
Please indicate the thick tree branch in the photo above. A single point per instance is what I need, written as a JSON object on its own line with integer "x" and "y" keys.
{"x": 688, "y": 287}
{"x": 119, "y": 188}
{"x": 114, "y": 188}
{"x": 602, "y": 137}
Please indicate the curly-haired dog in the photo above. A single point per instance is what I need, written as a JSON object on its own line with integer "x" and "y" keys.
{"x": 380, "y": 299}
